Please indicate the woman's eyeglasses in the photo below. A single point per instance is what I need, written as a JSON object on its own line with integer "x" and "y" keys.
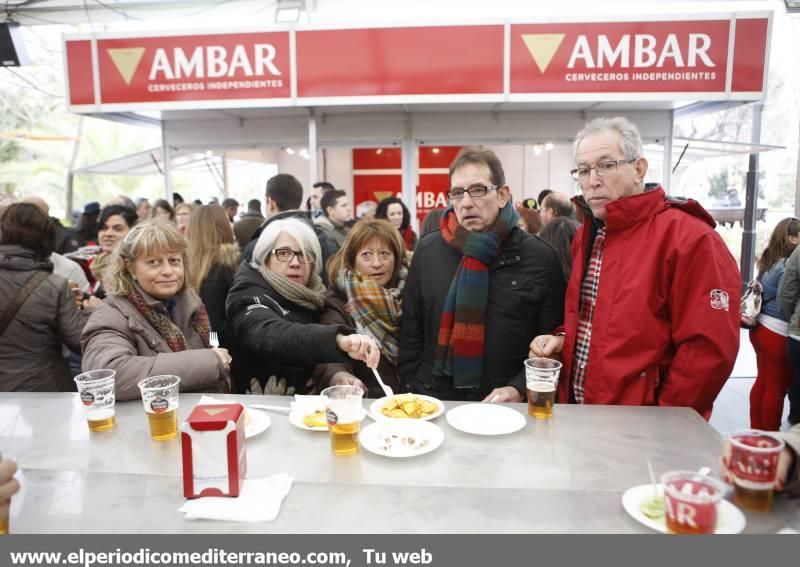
{"x": 287, "y": 255}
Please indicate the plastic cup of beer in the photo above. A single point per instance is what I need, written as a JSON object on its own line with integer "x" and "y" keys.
{"x": 4, "y": 526}
{"x": 344, "y": 413}
{"x": 691, "y": 501}
{"x": 754, "y": 467}
{"x": 541, "y": 380}
{"x": 96, "y": 390}
{"x": 160, "y": 398}
{"x": 4, "y": 516}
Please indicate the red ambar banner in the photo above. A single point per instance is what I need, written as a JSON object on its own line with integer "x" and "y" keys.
{"x": 400, "y": 61}
{"x": 194, "y": 67}
{"x": 635, "y": 57}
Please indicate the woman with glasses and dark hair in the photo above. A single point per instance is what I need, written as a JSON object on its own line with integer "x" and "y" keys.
{"x": 395, "y": 211}
{"x": 274, "y": 310}
{"x": 769, "y": 336}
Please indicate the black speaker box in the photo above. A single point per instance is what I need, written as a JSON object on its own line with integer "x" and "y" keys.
{"x": 12, "y": 49}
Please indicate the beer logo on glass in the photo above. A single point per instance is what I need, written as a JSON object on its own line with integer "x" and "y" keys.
{"x": 331, "y": 417}
{"x": 753, "y": 466}
{"x": 87, "y": 398}
{"x": 159, "y": 405}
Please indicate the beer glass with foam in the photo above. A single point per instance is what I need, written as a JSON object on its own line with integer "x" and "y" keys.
{"x": 344, "y": 413}
{"x": 160, "y": 398}
{"x": 96, "y": 391}
{"x": 541, "y": 379}
{"x": 754, "y": 467}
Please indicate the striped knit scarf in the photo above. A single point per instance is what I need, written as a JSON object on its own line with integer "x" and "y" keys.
{"x": 158, "y": 317}
{"x": 375, "y": 309}
{"x": 459, "y": 350}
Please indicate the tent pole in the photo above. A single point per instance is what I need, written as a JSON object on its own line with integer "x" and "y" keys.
{"x": 751, "y": 202}
{"x": 666, "y": 169}
{"x": 313, "y": 172}
{"x": 166, "y": 160}
{"x": 409, "y": 161}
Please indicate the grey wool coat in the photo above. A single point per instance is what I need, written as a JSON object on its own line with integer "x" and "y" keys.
{"x": 117, "y": 336}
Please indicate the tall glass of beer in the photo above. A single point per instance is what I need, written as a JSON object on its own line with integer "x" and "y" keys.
{"x": 96, "y": 391}
{"x": 754, "y": 467}
{"x": 160, "y": 398}
{"x": 691, "y": 501}
{"x": 541, "y": 378}
{"x": 344, "y": 412}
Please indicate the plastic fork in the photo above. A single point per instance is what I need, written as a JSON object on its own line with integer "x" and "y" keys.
{"x": 213, "y": 339}
{"x": 386, "y": 389}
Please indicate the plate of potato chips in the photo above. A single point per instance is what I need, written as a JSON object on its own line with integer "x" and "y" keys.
{"x": 406, "y": 406}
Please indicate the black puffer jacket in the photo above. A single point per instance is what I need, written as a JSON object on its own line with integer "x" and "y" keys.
{"x": 526, "y": 299}
{"x": 276, "y": 338}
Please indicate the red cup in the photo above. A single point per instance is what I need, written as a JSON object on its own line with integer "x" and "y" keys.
{"x": 691, "y": 501}
{"x": 754, "y": 467}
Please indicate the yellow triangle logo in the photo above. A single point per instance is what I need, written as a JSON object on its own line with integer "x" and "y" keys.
{"x": 126, "y": 60}
{"x": 381, "y": 195}
{"x": 542, "y": 47}
{"x": 213, "y": 412}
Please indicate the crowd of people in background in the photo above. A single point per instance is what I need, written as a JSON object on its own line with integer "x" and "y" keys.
{"x": 297, "y": 298}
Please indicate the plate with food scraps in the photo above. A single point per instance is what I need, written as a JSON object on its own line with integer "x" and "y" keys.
{"x": 406, "y": 406}
{"x": 255, "y": 422}
{"x": 486, "y": 419}
{"x": 401, "y": 438}
{"x": 642, "y": 505}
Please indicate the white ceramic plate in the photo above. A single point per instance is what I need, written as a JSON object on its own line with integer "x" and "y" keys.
{"x": 296, "y": 418}
{"x": 400, "y": 438}
{"x": 486, "y": 419}
{"x": 259, "y": 422}
{"x": 730, "y": 519}
{"x": 376, "y": 414}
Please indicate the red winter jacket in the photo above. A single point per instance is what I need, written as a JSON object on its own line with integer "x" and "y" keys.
{"x": 666, "y": 323}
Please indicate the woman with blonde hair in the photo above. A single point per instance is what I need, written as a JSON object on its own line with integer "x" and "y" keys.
{"x": 213, "y": 260}
{"x": 274, "y": 309}
{"x": 367, "y": 277}
{"x": 152, "y": 322}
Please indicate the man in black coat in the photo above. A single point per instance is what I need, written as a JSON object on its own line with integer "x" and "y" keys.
{"x": 284, "y": 195}
{"x": 504, "y": 287}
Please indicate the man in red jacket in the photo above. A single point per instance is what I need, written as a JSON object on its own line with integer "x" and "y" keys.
{"x": 652, "y": 307}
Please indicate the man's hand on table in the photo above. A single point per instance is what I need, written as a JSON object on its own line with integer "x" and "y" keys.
{"x": 507, "y": 394}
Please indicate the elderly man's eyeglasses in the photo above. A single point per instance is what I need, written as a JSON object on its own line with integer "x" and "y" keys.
{"x": 582, "y": 172}
{"x": 476, "y": 190}
{"x": 287, "y": 255}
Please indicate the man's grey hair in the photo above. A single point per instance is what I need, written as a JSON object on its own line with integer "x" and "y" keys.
{"x": 140, "y": 201}
{"x": 298, "y": 229}
{"x": 630, "y": 139}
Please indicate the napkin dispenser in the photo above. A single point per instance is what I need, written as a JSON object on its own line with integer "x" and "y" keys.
{"x": 213, "y": 450}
